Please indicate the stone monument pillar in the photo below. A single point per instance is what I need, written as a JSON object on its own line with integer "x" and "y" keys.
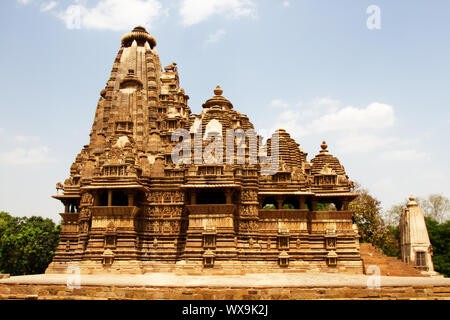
{"x": 415, "y": 244}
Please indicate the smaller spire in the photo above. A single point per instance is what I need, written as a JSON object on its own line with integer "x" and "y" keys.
{"x": 218, "y": 100}
{"x": 324, "y": 147}
{"x": 139, "y": 29}
{"x": 218, "y": 91}
{"x": 412, "y": 202}
{"x": 138, "y": 36}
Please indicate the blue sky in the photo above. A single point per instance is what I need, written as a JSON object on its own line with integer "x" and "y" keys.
{"x": 380, "y": 97}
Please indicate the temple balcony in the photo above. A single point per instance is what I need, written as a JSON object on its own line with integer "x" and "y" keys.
{"x": 211, "y": 208}
{"x": 69, "y": 217}
{"x": 130, "y": 211}
{"x": 282, "y": 213}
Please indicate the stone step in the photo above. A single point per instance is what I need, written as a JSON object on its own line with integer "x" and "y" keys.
{"x": 389, "y": 266}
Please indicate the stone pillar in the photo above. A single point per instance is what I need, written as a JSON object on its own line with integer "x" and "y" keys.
{"x": 96, "y": 198}
{"x": 109, "y": 198}
{"x": 279, "y": 203}
{"x": 193, "y": 197}
{"x": 66, "y": 207}
{"x": 301, "y": 203}
{"x": 131, "y": 199}
{"x": 345, "y": 204}
{"x": 228, "y": 194}
{"x": 313, "y": 205}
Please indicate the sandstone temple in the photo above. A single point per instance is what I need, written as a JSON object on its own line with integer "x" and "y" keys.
{"x": 415, "y": 245}
{"x": 129, "y": 208}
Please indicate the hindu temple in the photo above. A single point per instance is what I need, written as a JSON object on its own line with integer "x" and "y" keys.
{"x": 415, "y": 245}
{"x": 129, "y": 208}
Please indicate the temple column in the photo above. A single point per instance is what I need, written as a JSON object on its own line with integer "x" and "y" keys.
{"x": 193, "y": 197}
{"x": 130, "y": 199}
{"x": 66, "y": 207}
{"x": 301, "y": 203}
{"x": 345, "y": 205}
{"x": 313, "y": 205}
{"x": 109, "y": 198}
{"x": 96, "y": 198}
{"x": 228, "y": 194}
{"x": 279, "y": 203}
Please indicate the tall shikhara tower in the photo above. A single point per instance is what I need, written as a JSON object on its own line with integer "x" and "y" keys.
{"x": 129, "y": 208}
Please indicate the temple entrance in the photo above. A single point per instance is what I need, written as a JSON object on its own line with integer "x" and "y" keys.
{"x": 211, "y": 197}
{"x": 119, "y": 198}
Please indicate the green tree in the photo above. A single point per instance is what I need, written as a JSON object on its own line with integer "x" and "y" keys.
{"x": 439, "y": 234}
{"x": 367, "y": 216}
{"x": 436, "y": 207}
{"x": 325, "y": 207}
{"x": 27, "y": 245}
{"x": 392, "y": 216}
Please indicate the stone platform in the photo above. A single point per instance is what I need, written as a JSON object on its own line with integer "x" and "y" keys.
{"x": 230, "y": 287}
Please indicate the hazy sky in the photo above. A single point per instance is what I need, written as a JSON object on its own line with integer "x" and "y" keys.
{"x": 379, "y": 97}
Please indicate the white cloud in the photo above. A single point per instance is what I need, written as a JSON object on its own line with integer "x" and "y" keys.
{"x": 327, "y": 115}
{"x": 116, "y": 15}
{"x": 47, "y": 6}
{"x": 34, "y": 155}
{"x": 23, "y": 2}
{"x": 405, "y": 155}
{"x": 285, "y": 4}
{"x": 361, "y": 142}
{"x": 374, "y": 116}
{"x": 279, "y": 103}
{"x": 196, "y": 11}
{"x": 216, "y": 36}
{"x": 26, "y": 138}
{"x": 318, "y": 107}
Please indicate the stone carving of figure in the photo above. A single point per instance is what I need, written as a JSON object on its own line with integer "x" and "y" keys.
{"x": 156, "y": 226}
{"x": 167, "y": 197}
{"x": 253, "y": 225}
{"x": 171, "y": 67}
{"x": 166, "y": 227}
{"x": 87, "y": 199}
{"x": 59, "y": 186}
{"x": 68, "y": 181}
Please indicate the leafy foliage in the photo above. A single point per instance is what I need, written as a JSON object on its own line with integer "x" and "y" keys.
{"x": 325, "y": 207}
{"x": 439, "y": 234}
{"x": 437, "y": 207}
{"x": 367, "y": 216}
{"x": 27, "y": 245}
